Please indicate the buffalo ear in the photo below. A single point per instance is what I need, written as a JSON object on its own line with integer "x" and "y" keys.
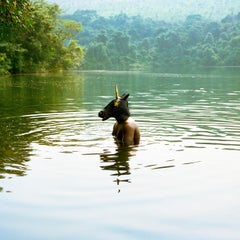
{"x": 125, "y": 96}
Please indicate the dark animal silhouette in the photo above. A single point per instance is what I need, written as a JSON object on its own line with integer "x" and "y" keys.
{"x": 125, "y": 130}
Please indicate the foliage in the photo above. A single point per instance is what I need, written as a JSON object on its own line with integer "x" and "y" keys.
{"x": 14, "y": 13}
{"x": 34, "y": 38}
{"x": 124, "y": 42}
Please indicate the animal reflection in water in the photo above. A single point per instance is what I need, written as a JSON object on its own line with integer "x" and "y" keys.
{"x": 125, "y": 130}
{"x": 118, "y": 163}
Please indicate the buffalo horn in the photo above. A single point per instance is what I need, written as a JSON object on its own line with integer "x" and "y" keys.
{"x": 116, "y": 91}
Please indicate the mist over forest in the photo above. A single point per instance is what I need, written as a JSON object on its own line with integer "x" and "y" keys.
{"x": 123, "y": 42}
{"x": 168, "y": 10}
{"x": 155, "y": 34}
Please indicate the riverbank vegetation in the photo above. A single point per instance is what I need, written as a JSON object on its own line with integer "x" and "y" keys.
{"x": 34, "y": 38}
{"x": 124, "y": 42}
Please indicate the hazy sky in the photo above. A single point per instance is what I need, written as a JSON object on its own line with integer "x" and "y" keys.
{"x": 161, "y": 9}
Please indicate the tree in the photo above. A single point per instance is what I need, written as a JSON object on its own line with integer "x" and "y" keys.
{"x": 14, "y": 20}
{"x": 209, "y": 56}
{"x": 97, "y": 56}
{"x": 209, "y": 39}
{"x": 46, "y": 45}
{"x": 233, "y": 58}
{"x": 14, "y": 14}
{"x": 122, "y": 42}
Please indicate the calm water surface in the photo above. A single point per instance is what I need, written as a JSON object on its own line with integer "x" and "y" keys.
{"x": 63, "y": 177}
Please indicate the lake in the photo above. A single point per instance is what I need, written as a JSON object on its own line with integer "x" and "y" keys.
{"x": 63, "y": 177}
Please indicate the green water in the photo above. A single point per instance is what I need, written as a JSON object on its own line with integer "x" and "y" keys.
{"x": 63, "y": 177}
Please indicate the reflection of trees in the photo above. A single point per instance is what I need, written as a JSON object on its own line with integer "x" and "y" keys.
{"x": 14, "y": 147}
{"x": 118, "y": 163}
{"x": 22, "y": 96}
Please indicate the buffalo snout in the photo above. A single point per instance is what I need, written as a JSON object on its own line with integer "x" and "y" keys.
{"x": 101, "y": 114}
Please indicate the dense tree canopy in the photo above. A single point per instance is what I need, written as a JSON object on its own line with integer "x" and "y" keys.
{"x": 123, "y": 42}
{"x": 34, "y": 38}
{"x": 15, "y": 13}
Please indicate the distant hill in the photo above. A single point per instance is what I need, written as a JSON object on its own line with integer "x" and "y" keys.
{"x": 169, "y": 10}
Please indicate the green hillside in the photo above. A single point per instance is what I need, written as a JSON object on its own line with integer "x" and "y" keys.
{"x": 124, "y": 42}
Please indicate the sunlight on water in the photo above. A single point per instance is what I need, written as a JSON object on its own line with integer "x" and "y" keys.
{"x": 62, "y": 175}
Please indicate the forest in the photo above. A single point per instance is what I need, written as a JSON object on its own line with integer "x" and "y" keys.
{"x": 125, "y": 42}
{"x": 36, "y": 37}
